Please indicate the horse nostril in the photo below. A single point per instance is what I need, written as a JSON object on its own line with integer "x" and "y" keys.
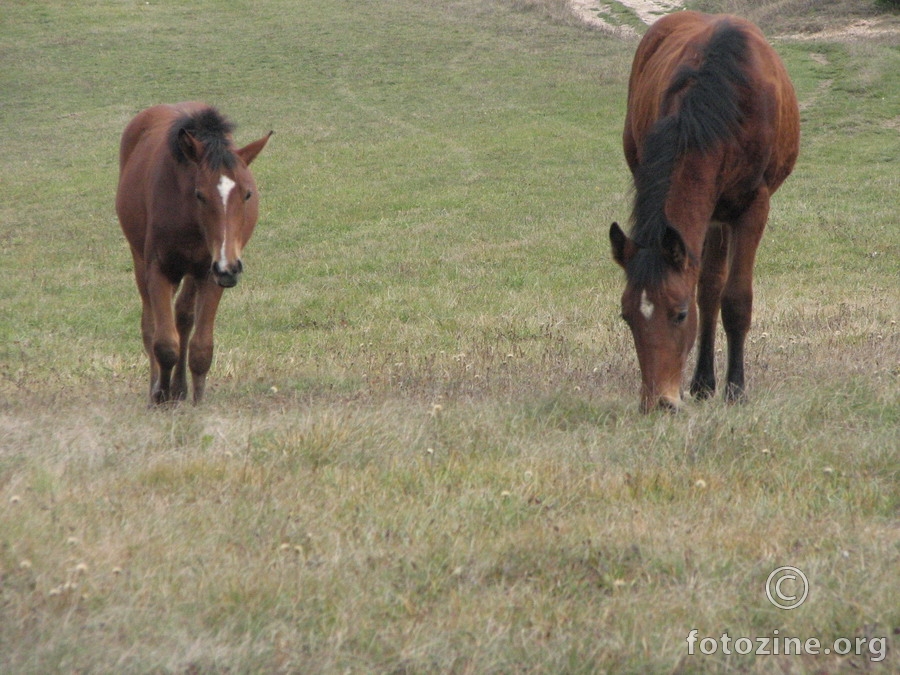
{"x": 226, "y": 276}
{"x": 234, "y": 269}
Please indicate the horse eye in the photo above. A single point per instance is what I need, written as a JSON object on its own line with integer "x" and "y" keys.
{"x": 680, "y": 317}
{"x": 248, "y": 195}
{"x": 199, "y": 196}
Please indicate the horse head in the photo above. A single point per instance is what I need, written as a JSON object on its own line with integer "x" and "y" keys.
{"x": 225, "y": 200}
{"x": 659, "y": 306}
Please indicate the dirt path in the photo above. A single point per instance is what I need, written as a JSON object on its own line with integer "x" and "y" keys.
{"x": 861, "y": 29}
{"x": 599, "y": 13}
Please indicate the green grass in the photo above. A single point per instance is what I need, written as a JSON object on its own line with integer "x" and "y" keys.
{"x": 420, "y": 449}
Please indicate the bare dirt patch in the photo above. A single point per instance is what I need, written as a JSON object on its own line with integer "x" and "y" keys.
{"x": 649, "y": 11}
{"x": 863, "y": 29}
{"x": 597, "y": 13}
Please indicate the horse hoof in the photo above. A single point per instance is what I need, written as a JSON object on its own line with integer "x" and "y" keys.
{"x": 703, "y": 392}
{"x": 735, "y": 395}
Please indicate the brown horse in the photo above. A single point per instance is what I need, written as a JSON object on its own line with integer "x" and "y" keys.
{"x": 187, "y": 204}
{"x": 712, "y": 130}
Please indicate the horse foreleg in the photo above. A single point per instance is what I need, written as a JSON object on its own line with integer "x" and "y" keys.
{"x": 709, "y": 298}
{"x": 165, "y": 336}
{"x": 184, "y": 322}
{"x": 201, "y": 351}
{"x": 737, "y": 299}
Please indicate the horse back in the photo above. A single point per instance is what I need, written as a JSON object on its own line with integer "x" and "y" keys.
{"x": 677, "y": 41}
{"x": 144, "y": 155}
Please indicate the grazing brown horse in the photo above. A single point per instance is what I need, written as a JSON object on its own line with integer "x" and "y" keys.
{"x": 712, "y": 130}
{"x": 187, "y": 204}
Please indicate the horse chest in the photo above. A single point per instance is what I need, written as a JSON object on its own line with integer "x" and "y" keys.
{"x": 180, "y": 253}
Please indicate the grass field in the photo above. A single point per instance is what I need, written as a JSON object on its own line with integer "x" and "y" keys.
{"x": 420, "y": 449}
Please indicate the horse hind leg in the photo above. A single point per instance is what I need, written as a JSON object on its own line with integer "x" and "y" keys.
{"x": 737, "y": 299}
{"x": 184, "y": 324}
{"x": 709, "y": 298}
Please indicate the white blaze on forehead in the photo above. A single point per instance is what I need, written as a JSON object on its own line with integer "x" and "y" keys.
{"x": 646, "y": 306}
{"x": 226, "y": 185}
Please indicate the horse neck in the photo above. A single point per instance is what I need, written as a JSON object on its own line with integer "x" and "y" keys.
{"x": 692, "y": 197}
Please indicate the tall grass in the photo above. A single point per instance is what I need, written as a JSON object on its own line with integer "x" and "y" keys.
{"x": 421, "y": 450}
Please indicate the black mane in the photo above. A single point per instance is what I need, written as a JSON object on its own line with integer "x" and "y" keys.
{"x": 709, "y": 113}
{"x": 212, "y": 129}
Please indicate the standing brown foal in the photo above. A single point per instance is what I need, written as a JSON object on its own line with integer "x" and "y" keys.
{"x": 187, "y": 204}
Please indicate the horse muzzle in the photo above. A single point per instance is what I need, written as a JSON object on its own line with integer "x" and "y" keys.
{"x": 666, "y": 404}
{"x": 227, "y": 275}
{"x": 666, "y": 399}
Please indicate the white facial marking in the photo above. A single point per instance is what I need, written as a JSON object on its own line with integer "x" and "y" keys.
{"x": 646, "y": 306}
{"x": 226, "y": 185}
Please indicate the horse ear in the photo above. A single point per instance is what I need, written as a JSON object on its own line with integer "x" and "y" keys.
{"x": 674, "y": 249}
{"x": 623, "y": 249}
{"x": 190, "y": 146}
{"x": 249, "y": 152}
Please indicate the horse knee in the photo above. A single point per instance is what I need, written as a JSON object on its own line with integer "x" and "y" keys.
{"x": 184, "y": 320}
{"x": 166, "y": 353}
{"x": 737, "y": 311}
{"x": 200, "y": 358}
